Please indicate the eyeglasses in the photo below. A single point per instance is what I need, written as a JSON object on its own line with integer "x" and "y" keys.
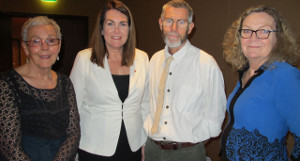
{"x": 37, "y": 42}
{"x": 260, "y": 33}
{"x": 180, "y": 23}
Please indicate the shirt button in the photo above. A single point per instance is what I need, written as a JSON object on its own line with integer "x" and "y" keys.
{"x": 170, "y": 73}
{"x": 167, "y": 107}
{"x": 166, "y": 122}
{"x": 168, "y": 90}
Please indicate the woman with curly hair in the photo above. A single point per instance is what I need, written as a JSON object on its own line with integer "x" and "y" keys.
{"x": 265, "y": 104}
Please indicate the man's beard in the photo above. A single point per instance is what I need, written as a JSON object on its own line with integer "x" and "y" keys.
{"x": 174, "y": 44}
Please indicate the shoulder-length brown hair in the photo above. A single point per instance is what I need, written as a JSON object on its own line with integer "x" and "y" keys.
{"x": 286, "y": 48}
{"x": 97, "y": 43}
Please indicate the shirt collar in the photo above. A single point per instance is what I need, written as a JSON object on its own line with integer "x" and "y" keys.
{"x": 180, "y": 53}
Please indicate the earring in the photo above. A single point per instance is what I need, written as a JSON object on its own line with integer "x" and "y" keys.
{"x": 27, "y": 60}
{"x": 57, "y": 58}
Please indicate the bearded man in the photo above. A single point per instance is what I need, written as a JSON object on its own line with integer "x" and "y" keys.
{"x": 187, "y": 96}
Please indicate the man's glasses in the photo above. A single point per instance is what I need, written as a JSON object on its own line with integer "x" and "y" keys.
{"x": 260, "y": 33}
{"x": 37, "y": 42}
{"x": 180, "y": 23}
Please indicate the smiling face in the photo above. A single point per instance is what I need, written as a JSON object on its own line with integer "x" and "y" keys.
{"x": 43, "y": 56}
{"x": 258, "y": 50}
{"x": 115, "y": 29}
{"x": 175, "y": 35}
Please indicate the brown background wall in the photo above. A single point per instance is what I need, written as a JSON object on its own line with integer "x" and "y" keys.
{"x": 212, "y": 18}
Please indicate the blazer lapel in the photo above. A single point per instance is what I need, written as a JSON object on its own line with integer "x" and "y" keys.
{"x": 134, "y": 72}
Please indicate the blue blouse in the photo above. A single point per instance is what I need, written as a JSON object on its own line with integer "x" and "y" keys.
{"x": 262, "y": 113}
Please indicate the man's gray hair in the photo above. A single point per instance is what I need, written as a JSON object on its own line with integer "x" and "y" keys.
{"x": 178, "y": 4}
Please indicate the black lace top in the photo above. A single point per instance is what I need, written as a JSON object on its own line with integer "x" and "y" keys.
{"x": 41, "y": 113}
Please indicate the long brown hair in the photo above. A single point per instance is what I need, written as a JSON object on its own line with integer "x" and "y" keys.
{"x": 97, "y": 43}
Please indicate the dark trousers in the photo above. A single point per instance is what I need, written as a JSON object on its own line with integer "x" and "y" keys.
{"x": 153, "y": 152}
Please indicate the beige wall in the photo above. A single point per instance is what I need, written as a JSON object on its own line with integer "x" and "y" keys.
{"x": 212, "y": 18}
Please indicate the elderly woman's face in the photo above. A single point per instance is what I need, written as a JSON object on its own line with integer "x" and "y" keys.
{"x": 258, "y": 50}
{"x": 115, "y": 29}
{"x": 42, "y": 46}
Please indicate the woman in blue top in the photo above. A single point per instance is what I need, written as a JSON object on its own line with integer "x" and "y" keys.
{"x": 265, "y": 104}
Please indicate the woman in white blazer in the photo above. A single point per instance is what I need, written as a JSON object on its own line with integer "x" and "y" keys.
{"x": 110, "y": 81}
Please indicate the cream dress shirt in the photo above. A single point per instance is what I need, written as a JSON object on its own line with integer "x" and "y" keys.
{"x": 195, "y": 102}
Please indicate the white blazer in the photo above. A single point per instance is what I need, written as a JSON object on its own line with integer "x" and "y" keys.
{"x": 100, "y": 107}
